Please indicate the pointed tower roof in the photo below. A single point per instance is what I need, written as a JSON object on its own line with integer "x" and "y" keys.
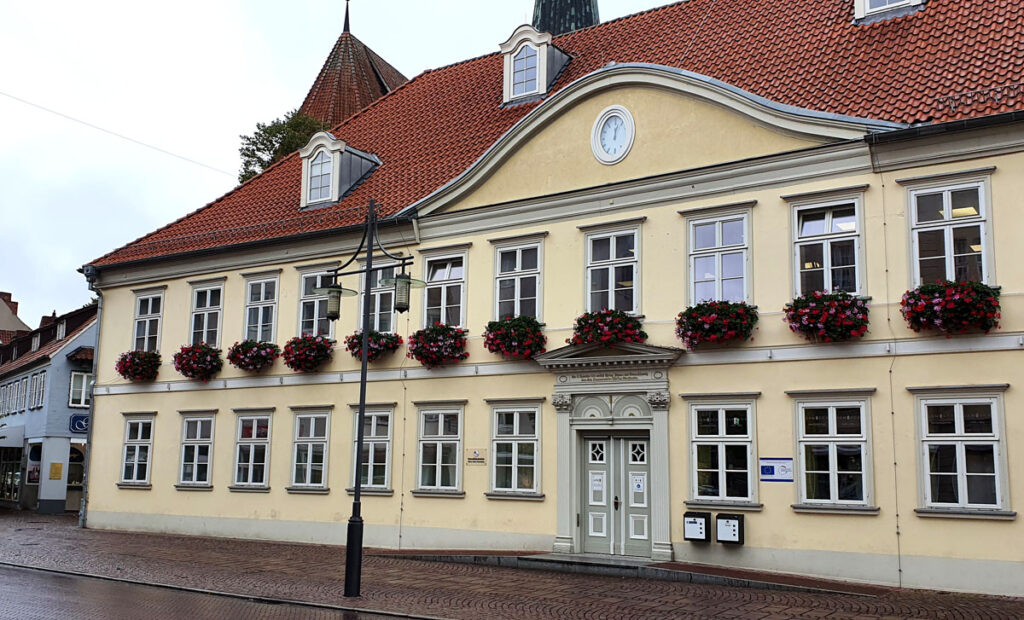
{"x": 353, "y": 77}
{"x": 561, "y": 16}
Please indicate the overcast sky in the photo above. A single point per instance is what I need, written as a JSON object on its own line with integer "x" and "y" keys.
{"x": 186, "y": 77}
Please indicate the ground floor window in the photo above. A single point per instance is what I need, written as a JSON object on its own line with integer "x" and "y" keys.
{"x": 440, "y": 445}
{"x": 252, "y": 453}
{"x": 515, "y": 449}
{"x": 138, "y": 444}
{"x": 10, "y": 474}
{"x": 375, "y": 459}
{"x": 833, "y": 452}
{"x": 722, "y": 451}
{"x": 962, "y": 450}
{"x": 310, "y": 452}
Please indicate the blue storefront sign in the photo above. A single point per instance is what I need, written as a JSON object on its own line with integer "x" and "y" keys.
{"x": 79, "y": 423}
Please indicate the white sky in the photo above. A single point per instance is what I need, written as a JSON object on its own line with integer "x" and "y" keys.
{"x": 188, "y": 77}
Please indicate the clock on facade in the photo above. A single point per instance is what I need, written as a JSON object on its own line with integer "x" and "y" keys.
{"x": 613, "y": 135}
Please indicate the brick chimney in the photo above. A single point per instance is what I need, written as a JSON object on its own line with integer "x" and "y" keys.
{"x": 47, "y": 320}
{"x": 6, "y": 298}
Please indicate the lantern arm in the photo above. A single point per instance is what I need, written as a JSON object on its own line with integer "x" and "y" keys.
{"x": 362, "y": 243}
{"x": 376, "y": 239}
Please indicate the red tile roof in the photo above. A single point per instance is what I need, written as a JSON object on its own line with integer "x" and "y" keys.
{"x": 807, "y": 53}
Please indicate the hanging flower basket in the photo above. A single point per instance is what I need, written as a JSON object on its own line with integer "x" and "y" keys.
{"x": 827, "y": 317}
{"x": 438, "y": 344}
{"x": 607, "y": 327}
{"x": 307, "y": 353}
{"x": 138, "y": 365}
{"x": 198, "y": 361}
{"x": 379, "y": 344}
{"x": 516, "y": 337}
{"x": 252, "y": 355}
{"x": 715, "y": 322}
{"x": 951, "y": 307}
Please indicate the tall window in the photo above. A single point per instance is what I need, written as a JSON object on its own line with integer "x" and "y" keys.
{"x": 374, "y": 461}
{"x": 440, "y": 446}
{"x": 445, "y": 279}
{"x": 612, "y": 271}
{"x": 313, "y": 307}
{"x": 518, "y": 281}
{"x": 32, "y": 389}
{"x": 833, "y": 453}
{"x": 81, "y": 390}
{"x": 38, "y": 396}
{"x": 310, "y": 451}
{"x": 62, "y": 329}
{"x": 949, "y": 234}
{"x": 718, "y": 259}
{"x": 722, "y": 452}
{"x": 196, "y": 450}
{"x": 138, "y": 442}
{"x": 515, "y": 448}
{"x": 147, "y": 322}
{"x": 260, "y": 307}
{"x": 524, "y": 71}
{"x": 826, "y": 248}
{"x": 382, "y": 301}
{"x": 206, "y": 308}
{"x": 320, "y": 177}
{"x": 252, "y": 451}
{"x": 23, "y": 393}
{"x": 962, "y": 452}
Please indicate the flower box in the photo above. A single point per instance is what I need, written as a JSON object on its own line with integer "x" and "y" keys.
{"x": 138, "y": 365}
{"x": 951, "y": 307}
{"x": 827, "y": 317}
{"x": 379, "y": 343}
{"x": 438, "y": 344}
{"x": 517, "y": 337}
{"x": 252, "y": 355}
{"x": 198, "y": 361}
{"x": 607, "y": 327}
{"x": 307, "y": 353}
{"x": 716, "y": 322}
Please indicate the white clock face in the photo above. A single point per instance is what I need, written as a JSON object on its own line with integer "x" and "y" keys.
{"x": 613, "y": 135}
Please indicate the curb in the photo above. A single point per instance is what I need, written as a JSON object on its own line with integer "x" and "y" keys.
{"x": 245, "y": 597}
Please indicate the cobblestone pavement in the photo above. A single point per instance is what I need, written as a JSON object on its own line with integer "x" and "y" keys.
{"x": 390, "y": 583}
{"x": 29, "y": 594}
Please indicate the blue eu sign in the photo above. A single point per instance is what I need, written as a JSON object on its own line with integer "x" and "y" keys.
{"x": 79, "y": 423}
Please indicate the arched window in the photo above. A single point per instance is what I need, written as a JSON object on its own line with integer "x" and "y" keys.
{"x": 524, "y": 71}
{"x": 320, "y": 177}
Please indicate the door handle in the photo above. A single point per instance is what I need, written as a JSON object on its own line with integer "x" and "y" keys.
{"x": 615, "y": 502}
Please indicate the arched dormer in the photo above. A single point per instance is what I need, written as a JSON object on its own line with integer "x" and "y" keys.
{"x": 531, "y": 64}
{"x": 331, "y": 169}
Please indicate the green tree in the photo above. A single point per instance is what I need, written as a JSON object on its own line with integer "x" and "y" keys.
{"x": 272, "y": 141}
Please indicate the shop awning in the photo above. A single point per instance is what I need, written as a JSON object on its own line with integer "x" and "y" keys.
{"x": 12, "y": 437}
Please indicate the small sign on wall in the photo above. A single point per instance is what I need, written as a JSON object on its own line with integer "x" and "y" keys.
{"x": 56, "y": 471}
{"x": 476, "y": 456}
{"x": 776, "y": 470}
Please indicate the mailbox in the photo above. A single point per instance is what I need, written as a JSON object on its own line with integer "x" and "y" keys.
{"x": 729, "y": 529}
{"x": 697, "y": 526}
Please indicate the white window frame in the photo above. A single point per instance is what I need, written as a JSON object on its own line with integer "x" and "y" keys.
{"x": 150, "y": 319}
{"x": 326, "y": 169}
{"x": 252, "y": 443}
{"x": 378, "y": 292}
{"x": 137, "y": 442}
{"x": 85, "y": 395}
{"x": 205, "y": 312}
{"x": 23, "y": 395}
{"x": 536, "y": 71}
{"x": 310, "y": 441}
{"x": 321, "y": 142}
{"x": 997, "y": 438}
{"x": 515, "y": 438}
{"x": 35, "y": 341}
{"x": 862, "y": 8}
{"x": 611, "y": 264}
{"x": 197, "y": 443}
{"x": 717, "y": 251}
{"x": 318, "y": 301}
{"x": 438, "y": 440}
{"x": 444, "y": 284}
{"x": 372, "y": 441}
{"x": 62, "y": 330}
{"x": 948, "y": 224}
{"x": 832, "y": 440}
{"x": 517, "y": 275}
{"x": 39, "y": 396}
{"x": 826, "y": 239}
{"x": 273, "y": 304}
{"x": 722, "y": 439}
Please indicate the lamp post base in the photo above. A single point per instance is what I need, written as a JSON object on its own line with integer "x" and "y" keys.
{"x": 353, "y": 557}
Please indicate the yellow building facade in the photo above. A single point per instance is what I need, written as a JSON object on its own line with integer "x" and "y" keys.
{"x": 893, "y": 459}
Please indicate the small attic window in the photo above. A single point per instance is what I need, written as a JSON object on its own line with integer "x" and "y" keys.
{"x": 524, "y": 71}
{"x": 331, "y": 170}
{"x": 531, "y": 63}
{"x": 35, "y": 342}
{"x": 62, "y": 330}
{"x": 320, "y": 177}
{"x": 870, "y": 8}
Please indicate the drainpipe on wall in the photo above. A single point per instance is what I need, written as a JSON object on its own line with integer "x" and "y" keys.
{"x": 91, "y": 274}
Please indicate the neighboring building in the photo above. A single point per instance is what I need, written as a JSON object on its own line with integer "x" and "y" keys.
{"x": 740, "y": 151}
{"x": 45, "y": 396}
{"x": 10, "y": 325}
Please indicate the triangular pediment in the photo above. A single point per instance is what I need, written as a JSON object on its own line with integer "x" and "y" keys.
{"x": 599, "y": 355}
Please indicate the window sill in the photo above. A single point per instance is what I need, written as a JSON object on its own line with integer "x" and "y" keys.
{"x": 371, "y": 491}
{"x": 515, "y": 495}
{"x": 711, "y": 504}
{"x": 836, "y": 509}
{"x": 194, "y": 487}
{"x": 238, "y": 489}
{"x": 451, "y": 494}
{"x": 136, "y": 486}
{"x": 966, "y": 513}
{"x": 308, "y": 490}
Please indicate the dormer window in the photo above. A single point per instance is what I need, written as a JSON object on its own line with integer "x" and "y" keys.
{"x": 870, "y": 8}
{"x": 531, "y": 64}
{"x": 320, "y": 177}
{"x": 62, "y": 330}
{"x": 35, "y": 342}
{"x": 331, "y": 170}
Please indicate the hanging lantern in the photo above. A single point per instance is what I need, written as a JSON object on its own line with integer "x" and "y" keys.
{"x": 403, "y": 291}
{"x": 333, "y": 302}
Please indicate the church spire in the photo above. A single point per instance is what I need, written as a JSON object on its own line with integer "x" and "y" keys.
{"x": 561, "y": 16}
{"x": 346, "y": 17}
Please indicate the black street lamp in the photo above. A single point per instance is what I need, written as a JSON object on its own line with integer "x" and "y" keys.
{"x": 403, "y": 284}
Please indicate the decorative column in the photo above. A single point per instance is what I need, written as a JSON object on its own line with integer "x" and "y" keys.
{"x": 661, "y": 505}
{"x": 566, "y": 475}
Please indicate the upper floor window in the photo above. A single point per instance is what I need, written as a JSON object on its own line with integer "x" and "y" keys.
{"x": 950, "y": 234}
{"x": 62, "y": 330}
{"x": 382, "y": 301}
{"x": 24, "y": 394}
{"x": 518, "y": 281}
{"x": 445, "y": 284}
{"x": 524, "y": 71}
{"x": 148, "y": 310}
{"x": 827, "y": 248}
{"x": 613, "y": 266}
{"x": 531, "y": 63}
{"x": 206, "y": 309}
{"x": 35, "y": 342}
{"x": 260, "y": 308}
{"x": 719, "y": 250}
{"x": 865, "y": 8}
{"x": 320, "y": 177}
{"x": 38, "y": 396}
{"x": 81, "y": 390}
{"x": 313, "y": 306}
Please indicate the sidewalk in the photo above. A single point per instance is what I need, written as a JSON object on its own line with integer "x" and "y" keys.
{"x": 392, "y": 583}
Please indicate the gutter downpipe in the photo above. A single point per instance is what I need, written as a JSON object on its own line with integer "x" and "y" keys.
{"x": 92, "y": 275}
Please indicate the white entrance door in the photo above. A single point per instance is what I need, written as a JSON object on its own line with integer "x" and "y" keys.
{"x": 616, "y": 508}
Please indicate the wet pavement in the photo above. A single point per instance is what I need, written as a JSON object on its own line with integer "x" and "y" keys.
{"x": 30, "y": 594}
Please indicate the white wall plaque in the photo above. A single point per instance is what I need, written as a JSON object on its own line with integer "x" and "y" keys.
{"x": 776, "y": 470}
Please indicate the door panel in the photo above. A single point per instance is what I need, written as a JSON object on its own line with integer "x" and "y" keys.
{"x": 597, "y": 524}
{"x": 616, "y": 509}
